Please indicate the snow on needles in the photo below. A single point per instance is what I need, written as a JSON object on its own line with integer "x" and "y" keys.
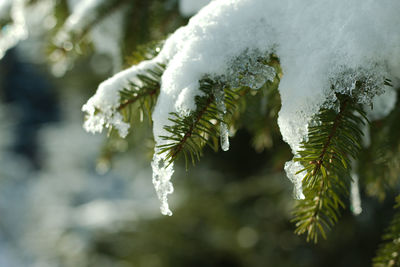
{"x": 319, "y": 43}
{"x": 102, "y": 108}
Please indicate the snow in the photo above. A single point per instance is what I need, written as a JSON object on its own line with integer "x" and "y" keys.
{"x": 246, "y": 70}
{"x": 291, "y": 168}
{"x": 102, "y": 108}
{"x": 320, "y": 44}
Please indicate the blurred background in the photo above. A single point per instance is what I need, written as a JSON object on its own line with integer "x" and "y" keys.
{"x": 69, "y": 198}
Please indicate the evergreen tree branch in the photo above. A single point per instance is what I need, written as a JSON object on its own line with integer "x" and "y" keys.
{"x": 326, "y": 160}
{"x": 146, "y": 88}
{"x": 144, "y": 92}
{"x": 189, "y": 134}
{"x": 388, "y": 253}
{"x": 136, "y": 97}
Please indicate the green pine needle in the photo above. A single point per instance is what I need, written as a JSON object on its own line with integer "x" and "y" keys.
{"x": 389, "y": 252}
{"x": 144, "y": 93}
{"x": 140, "y": 97}
{"x": 332, "y": 142}
{"x": 189, "y": 134}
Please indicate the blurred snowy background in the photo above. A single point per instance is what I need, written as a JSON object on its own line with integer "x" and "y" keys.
{"x": 53, "y": 193}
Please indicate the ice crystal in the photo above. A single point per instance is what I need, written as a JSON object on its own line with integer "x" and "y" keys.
{"x": 162, "y": 174}
{"x": 249, "y": 69}
{"x": 223, "y": 128}
{"x": 291, "y": 168}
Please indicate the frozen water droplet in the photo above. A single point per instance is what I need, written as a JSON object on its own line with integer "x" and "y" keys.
{"x": 224, "y": 137}
{"x": 291, "y": 168}
{"x": 219, "y": 95}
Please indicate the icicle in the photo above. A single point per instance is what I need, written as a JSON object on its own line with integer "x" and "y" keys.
{"x": 247, "y": 70}
{"x": 161, "y": 180}
{"x": 224, "y": 136}
{"x": 291, "y": 168}
{"x": 223, "y": 128}
{"x": 355, "y": 200}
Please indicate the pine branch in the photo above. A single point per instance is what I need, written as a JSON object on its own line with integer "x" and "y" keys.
{"x": 191, "y": 133}
{"x": 144, "y": 52}
{"x": 144, "y": 92}
{"x": 389, "y": 252}
{"x": 138, "y": 88}
{"x": 326, "y": 160}
{"x": 137, "y": 98}
{"x": 142, "y": 95}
